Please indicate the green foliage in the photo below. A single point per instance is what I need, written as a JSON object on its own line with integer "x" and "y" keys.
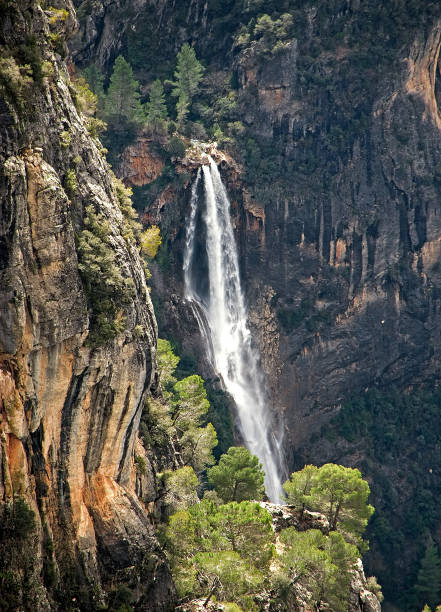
{"x": 123, "y": 111}
{"x": 182, "y": 110}
{"x": 179, "y": 416}
{"x": 70, "y": 182}
{"x": 18, "y": 586}
{"x": 336, "y": 491}
{"x": 188, "y": 74}
{"x": 220, "y": 415}
{"x": 28, "y": 53}
{"x": 181, "y": 486}
{"x": 428, "y": 586}
{"x": 18, "y": 520}
{"x": 131, "y": 228}
{"x": 167, "y": 362}
{"x": 95, "y": 80}
{"x": 238, "y": 476}
{"x": 374, "y": 587}
{"x": 65, "y": 139}
{"x": 106, "y": 288}
{"x": 190, "y": 401}
{"x": 85, "y": 100}
{"x": 247, "y": 529}
{"x": 176, "y": 146}
{"x": 320, "y": 563}
{"x": 151, "y": 241}
{"x": 226, "y": 574}
{"x": 298, "y": 488}
{"x": 220, "y": 550}
{"x": 197, "y": 445}
{"x": 140, "y": 464}
{"x": 122, "y": 104}
{"x": 120, "y": 599}
{"x": 15, "y": 81}
{"x": 156, "y": 108}
{"x": 393, "y": 429}
{"x": 266, "y": 36}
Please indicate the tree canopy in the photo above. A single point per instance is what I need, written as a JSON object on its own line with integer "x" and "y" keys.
{"x": 156, "y": 108}
{"x": 338, "y": 492}
{"x": 325, "y": 562}
{"x": 122, "y": 106}
{"x": 222, "y": 550}
{"x": 238, "y": 476}
{"x": 188, "y": 74}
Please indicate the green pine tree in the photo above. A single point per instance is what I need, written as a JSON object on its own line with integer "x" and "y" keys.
{"x": 337, "y": 491}
{"x": 238, "y": 476}
{"x": 156, "y": 109}
{"x": 188, "y": 74}
{"x": 428, "y": 586}
{"x": 123, "y": 110}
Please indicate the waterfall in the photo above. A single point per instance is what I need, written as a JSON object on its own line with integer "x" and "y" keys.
{"x": 227, "y": 333}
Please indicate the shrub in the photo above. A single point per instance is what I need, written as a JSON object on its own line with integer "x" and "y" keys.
{"x": 106, "y": 288}
{"x": 176, "y": 146}
{"x": 15, "y": 81}
{"x": 70, "y": 182}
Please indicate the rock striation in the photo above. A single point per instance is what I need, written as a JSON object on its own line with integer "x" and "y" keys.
{"x": 69, "y": 411}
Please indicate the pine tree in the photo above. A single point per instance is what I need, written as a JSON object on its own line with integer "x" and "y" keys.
{"x": 298, "y": 488}
{"x": 95, "y": 80}
{"x": 238, "y": 476}
{"x": 123, "y": 107}
{"x": 156, "y": 109}
{"x": 188, "y": 75}
{"x": 428, "y": 586}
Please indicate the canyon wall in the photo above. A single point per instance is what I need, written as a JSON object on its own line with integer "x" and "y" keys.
{"x": 69, "y": 408}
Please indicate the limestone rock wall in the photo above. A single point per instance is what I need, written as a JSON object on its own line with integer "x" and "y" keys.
{"x": 69, "y": 413}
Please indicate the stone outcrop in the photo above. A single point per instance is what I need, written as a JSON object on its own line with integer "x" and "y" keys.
{"x": 69, "y": 412}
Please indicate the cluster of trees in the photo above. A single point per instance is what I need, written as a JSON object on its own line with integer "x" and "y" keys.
{"x": 219, "y": 539}
{"x": 107, "y": 288}
{"x": 225, "y": 546}
{"x": 121, "y": 108}
{"x": 178, "y": 419}
{"x": 266, "y": 36}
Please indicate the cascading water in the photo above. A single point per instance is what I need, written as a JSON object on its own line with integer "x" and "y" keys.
{"x": 228, "y": 336}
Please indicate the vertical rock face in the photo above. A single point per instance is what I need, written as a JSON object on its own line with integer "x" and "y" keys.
{"x": 69, "y": 413}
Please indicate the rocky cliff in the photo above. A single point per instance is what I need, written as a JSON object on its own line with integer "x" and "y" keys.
{"x": 69, "y": 407}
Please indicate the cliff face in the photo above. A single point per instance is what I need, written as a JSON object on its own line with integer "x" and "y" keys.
{"x": 349, "y": 255}
{"x": 69, "y": 411}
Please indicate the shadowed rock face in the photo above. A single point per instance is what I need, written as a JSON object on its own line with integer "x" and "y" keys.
{"x": 69, "y": 414}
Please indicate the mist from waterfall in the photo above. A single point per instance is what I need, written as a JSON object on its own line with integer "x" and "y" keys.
{"x": 227, "y": 334}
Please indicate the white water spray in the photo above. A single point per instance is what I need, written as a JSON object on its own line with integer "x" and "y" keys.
{"x": 228, "y": 336}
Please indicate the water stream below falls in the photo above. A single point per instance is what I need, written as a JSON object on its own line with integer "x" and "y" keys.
{"x": 225, "y": 329}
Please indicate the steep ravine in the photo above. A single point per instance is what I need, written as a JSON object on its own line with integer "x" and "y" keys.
{"x": 69, "y": 412}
